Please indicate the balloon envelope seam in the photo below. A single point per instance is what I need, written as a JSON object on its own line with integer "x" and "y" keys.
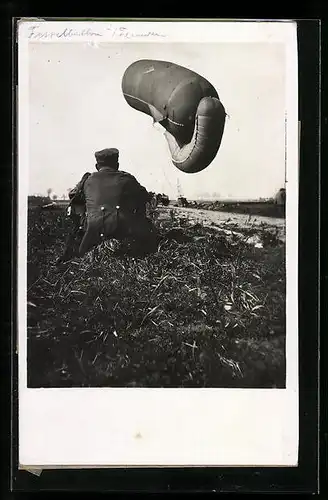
{"x": 145, "y": 102}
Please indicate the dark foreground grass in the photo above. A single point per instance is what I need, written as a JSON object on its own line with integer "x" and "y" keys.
{"x": 204, "y": 311}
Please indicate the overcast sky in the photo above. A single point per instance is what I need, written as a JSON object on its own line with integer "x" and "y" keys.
{"x": 76, "y": 107}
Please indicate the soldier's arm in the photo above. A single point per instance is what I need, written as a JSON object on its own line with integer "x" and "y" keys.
{"x": 73, "y": 192}
{"x": 144, "y": 195}
{"x": 142, "y": 192}
{"x": 79, "y": 186}
{"x": 136, "y": 189}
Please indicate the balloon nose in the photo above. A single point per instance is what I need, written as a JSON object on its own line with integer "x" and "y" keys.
{"x": 209, "y": 107}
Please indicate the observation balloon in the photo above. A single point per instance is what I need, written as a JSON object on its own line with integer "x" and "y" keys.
{"x": 184, "y": 103}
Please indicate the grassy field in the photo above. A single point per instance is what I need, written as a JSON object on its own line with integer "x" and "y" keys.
{"x": 253, "y": 208}
{"x": 206, "y": 310}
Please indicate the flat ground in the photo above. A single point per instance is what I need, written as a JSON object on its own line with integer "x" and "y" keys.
{"x": 206, "y": 310}
{"x": 235, "y": 221}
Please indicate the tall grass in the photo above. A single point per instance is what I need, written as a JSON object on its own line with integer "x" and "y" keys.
{"x": 205, "y": 310}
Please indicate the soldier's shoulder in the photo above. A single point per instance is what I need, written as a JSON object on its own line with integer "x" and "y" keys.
{"x": 127, "y": 175}
{"x": 123, "y": 172}
{"x": 92, "y": 175}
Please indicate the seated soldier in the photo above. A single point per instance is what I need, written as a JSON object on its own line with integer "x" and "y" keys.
{"x": 115, "y": 207}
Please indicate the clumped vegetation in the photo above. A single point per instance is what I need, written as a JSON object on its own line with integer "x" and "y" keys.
{"x": 206, "y": 310}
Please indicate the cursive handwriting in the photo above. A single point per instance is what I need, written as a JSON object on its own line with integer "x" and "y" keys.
{"x": 34, "y": 34}
{"x": 120, "y": 32}
{"x": 125, "y": 33}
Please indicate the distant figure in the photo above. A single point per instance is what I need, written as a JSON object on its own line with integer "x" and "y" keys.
{"x": 164, "y": 200}
{"x": 108, "y": 204}
{"x": 182, "y": 202}
{"x": 280, "y": 198}
{"x": 280, "y": 201}
{"x": 152, "y": 200}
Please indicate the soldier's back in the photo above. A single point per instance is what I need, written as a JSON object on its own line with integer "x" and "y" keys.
{"x": 107, "y": 187}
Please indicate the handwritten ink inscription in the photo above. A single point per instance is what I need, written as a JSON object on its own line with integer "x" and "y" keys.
{"x": 123, "y": 32}
{"x": 35, "y": 34}
{"x": 120, "y": 32}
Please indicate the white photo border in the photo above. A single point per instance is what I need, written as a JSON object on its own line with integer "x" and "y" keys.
{"x": 97, "y": 427}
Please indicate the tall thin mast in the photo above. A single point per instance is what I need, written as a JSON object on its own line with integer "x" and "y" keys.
{"x": 285, "y": 147}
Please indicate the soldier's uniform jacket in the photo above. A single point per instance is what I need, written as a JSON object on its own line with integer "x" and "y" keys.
{"x": 115, "y": 205}
{"x": 109, "y": 188}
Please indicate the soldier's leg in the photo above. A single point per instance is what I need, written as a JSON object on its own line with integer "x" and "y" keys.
{"x": 72, "y": 244}
{"x": 91, "y": 239}
{"x": 73, "y": 240}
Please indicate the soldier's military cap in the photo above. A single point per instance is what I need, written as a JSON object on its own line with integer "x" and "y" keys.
{"x": 108, "y": 156}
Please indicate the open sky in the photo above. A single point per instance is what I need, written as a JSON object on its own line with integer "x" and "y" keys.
{"x": 76, "y": 107}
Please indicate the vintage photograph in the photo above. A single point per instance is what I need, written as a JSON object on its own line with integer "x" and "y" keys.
{"x": 156, "y": 215}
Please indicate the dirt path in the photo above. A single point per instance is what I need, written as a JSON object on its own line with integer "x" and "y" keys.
{"x": 232, "y": 221}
